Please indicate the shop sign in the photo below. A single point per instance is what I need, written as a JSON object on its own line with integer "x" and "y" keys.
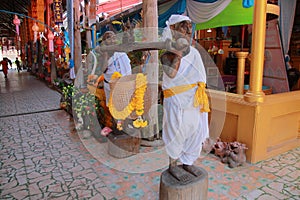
{"x": 58, "y": 11}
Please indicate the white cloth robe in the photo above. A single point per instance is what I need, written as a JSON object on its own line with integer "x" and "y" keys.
{"x": 119, "y": 62}
{"x": 184, "y": 127}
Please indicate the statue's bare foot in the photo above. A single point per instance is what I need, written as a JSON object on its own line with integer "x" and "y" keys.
{"x": 181, "y": 175}
{"x": 192, "y": 169}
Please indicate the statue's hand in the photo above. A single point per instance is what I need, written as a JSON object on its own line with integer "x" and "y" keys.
{"x": 180, "y": 47}
{"x": 170, "y": 63}
{"x": 183, "y": 46}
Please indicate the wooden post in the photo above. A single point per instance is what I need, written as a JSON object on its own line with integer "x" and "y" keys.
{"x": 241, "y": 71}
{"x": 77, "y": 37}
{"x": 172, "y": 189}
{"x": 150, "y": 22}
{"x": 51, "y": 58}
{"x": 53, "y": 68}
{"x": 86, "y": 25}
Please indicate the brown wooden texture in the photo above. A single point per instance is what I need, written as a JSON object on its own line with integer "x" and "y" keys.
{"x": 133, "y": 46}
{"x": 123, "y": 145}
{"x": 77, "y": 37}
{"x": 172, "y": 189}
{"x": 88, "y": 34}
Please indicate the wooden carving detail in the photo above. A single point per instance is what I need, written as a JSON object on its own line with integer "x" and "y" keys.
{"x": 231, "y": 153}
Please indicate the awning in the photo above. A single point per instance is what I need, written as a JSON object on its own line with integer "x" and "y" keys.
{"x": 234, "y": 14}
{"x": 209, "y": 13}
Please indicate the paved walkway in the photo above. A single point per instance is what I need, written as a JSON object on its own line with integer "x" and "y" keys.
{"x": 43, "y": 157}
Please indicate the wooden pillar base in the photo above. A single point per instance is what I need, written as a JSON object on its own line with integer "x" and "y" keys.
{"x": 172, "y": 189}
{"x": 254, "y": 96}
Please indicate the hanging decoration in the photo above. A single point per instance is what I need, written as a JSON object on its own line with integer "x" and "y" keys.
{"x": 59, "y": 44}
{"x": 16, "y": 22}
{"x": 67, "y": 51}
{"x": 51, "y": 44}
{"x": 248, "y": 3}
{"x": 66, "y": 37}
{"x": 58, "y": 11}
{"x": 42, "y": 36}
{"x": 72, "y": 70}
{"x": 35, "y": 29}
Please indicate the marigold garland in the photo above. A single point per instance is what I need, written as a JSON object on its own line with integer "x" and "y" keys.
{"x": 136, "y": 103}
{"x": 116, "y": 75}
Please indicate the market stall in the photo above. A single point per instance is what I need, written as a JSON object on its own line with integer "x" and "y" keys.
{"x": 267, "y": 124}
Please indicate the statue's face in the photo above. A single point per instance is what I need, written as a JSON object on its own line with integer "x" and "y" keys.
{"x": 182, "y": 29}
{"x": 109, "y": 38}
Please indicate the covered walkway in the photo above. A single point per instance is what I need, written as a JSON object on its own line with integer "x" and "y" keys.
{"x": 43, "y": 157}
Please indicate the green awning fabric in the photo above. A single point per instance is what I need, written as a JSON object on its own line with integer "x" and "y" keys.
{"x": 234, "y": 14}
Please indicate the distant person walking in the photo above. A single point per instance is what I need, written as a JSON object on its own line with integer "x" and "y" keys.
{"x": 4, "y": 64}
{"x": 18, "y": 63}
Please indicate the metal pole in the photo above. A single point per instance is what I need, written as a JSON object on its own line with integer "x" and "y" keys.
{"x": 70, "y": 14}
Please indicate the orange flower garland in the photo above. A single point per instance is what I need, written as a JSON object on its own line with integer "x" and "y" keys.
{"x": 136, "y": 104}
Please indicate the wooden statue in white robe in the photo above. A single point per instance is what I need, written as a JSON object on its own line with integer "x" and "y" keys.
{"x": 185, "y": 124}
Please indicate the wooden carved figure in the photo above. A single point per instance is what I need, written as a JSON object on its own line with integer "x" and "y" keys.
{"x": 182, "y": 60}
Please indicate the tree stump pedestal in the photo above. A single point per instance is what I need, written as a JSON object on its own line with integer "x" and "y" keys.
{"x": 172, "y": 189}
{"x": 123, "y": 145}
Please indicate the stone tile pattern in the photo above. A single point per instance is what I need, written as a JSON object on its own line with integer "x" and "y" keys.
{"x": 286, "y": 168}
{"x": 42, "y": 159}
{"x": 41, "y": 156}
{"x": 224, "y": 182}
{"x": 22, "y": 93}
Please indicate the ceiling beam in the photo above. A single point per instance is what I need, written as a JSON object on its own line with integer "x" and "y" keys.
{"x": 6, "y": 19}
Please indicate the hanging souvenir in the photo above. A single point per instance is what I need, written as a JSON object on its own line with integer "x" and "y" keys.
{"x": 16, "y": 22}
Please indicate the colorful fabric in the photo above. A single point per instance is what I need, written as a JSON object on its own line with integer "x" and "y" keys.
{"x": 234, "y": 14}
{"x": 177, "y": 8}
{"x": 200, "y": 98}
{"x": 202, "y": 12}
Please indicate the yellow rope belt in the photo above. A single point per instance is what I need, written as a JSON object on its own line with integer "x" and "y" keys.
{"x": 200, "y": 97}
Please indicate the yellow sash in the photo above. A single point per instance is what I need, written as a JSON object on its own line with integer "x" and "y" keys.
{"x": 200, "y": 97}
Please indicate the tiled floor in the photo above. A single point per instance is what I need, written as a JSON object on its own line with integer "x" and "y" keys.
{"x": 43, "y": 157}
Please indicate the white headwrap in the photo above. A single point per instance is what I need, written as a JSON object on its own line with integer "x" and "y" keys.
{"x": 174, "y": 19}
